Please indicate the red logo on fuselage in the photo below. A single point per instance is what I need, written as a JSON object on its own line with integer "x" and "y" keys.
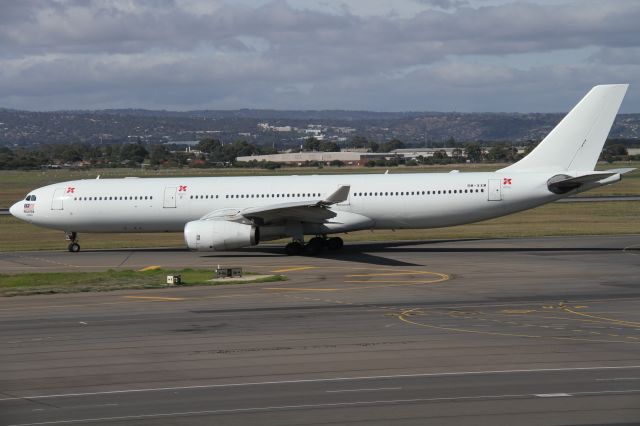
{"x": 183, "y": 188}
{"x": 506, "y": 181}
{"x": 70, "y": 190}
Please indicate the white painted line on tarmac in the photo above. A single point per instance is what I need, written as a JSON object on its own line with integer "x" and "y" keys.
{"x": 309, "y": 406}
{"x": 329, "y": 379}
{"x": 362, "y": 390}
{"x": 615, "y": 379}
{"x": 552, "y": 395}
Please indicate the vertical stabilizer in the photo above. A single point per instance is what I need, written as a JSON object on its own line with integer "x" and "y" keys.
{"x": 576, "y": 142}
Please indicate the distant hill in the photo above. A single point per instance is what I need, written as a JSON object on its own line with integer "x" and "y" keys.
{"x": 122, "y": 125}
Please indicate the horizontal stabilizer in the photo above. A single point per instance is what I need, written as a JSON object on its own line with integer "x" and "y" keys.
{"x": 621, "y": 171}
{"x": 561, "y": 184}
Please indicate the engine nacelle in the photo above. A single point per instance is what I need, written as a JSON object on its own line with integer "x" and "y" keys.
{"x": 213, "y": 235}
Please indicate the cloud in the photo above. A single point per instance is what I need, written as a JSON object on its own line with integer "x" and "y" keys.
{"x": 191, "y": 54}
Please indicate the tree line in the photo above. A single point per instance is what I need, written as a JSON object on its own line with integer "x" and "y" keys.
{"x": 213, "y": 153}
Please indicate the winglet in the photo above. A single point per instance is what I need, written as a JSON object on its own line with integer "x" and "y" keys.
{"x": 340, "y": 195}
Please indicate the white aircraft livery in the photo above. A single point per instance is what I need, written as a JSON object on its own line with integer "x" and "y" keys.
{"x": 225, "y": 213}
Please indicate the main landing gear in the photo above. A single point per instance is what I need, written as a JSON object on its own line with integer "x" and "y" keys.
{"x": 73, "y": 246}
{"x": 314, "y": 246}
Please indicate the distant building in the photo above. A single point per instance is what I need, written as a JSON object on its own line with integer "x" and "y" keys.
{"x": 300, "y": 158}
{"x": 410, "y": 153}
{"x": 266, "y": 127}
{"x": 312, "y": 131}
{"x": 343, "y": 129}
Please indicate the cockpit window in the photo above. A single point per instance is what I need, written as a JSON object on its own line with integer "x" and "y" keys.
{"x": 30, "y": 197}
{"x": 33, "y": 198}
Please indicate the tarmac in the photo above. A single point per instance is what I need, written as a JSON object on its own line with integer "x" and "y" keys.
{"x": 500, "y": 331}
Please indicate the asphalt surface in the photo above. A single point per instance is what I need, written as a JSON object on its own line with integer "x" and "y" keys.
{"x": 482, "y": 332}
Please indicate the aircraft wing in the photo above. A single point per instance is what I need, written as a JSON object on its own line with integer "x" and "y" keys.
{"x": 311, "y": 211}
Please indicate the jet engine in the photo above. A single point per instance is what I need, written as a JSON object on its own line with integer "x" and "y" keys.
{"x": 214, "y": 235}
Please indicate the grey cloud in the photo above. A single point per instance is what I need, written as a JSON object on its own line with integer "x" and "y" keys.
{"x": 444, "y": 4}
{"x": 228, "y": 54}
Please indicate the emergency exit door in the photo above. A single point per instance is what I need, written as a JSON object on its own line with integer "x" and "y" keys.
{"x": 169, "y": 198}
{"x": 495, "y": 190}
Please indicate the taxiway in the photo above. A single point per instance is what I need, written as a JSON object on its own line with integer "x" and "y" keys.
{"x": 527, "y": 331}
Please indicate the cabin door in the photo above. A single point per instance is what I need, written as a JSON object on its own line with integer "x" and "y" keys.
{"x": 169, "y": 198}
{"x": 56, "y": 201}
{"x": 495, "y": 190}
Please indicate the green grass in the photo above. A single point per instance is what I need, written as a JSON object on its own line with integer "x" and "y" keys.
{"x": 602, "y": 218}
{"x": 75, "y": 282}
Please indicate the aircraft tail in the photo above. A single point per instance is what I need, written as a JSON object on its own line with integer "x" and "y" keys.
{"x": 576, "y": 142}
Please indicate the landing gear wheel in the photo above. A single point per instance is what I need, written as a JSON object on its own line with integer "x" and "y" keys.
{"x": 318, "y": 241}
{"x": 73, "y": 246}
{"x": 335, "y": 243}
{"x": 314, "y": 246}
{"x": 293, "y": 249}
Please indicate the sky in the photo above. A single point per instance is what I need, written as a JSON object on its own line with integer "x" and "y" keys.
{"x": 379, "y": 55}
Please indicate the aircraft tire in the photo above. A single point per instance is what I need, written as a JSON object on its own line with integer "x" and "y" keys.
{"x": 74, "y": 247}
{"x": 314, "y": 246}
{"x": 293, "y": 249}
{"x": 335, "y": 243}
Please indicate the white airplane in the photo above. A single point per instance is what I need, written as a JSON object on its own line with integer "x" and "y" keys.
{"x": 225, "y": 213}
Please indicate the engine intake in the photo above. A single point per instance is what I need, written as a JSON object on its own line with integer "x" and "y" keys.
{"x": 219, "y": 235}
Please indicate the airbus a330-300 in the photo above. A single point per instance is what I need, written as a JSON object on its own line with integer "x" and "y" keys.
{"x": 226, "y": 213}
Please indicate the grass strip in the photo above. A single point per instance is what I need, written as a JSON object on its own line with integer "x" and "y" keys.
{"x": 77, "y": 282}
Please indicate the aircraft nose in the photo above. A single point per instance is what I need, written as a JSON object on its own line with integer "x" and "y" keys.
{"x": 15, "y": 210}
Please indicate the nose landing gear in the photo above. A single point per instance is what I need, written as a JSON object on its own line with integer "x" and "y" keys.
{"x": 73, "y": 246}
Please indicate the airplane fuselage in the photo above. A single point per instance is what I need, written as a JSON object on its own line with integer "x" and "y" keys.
{"x": 390, "y": 201}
